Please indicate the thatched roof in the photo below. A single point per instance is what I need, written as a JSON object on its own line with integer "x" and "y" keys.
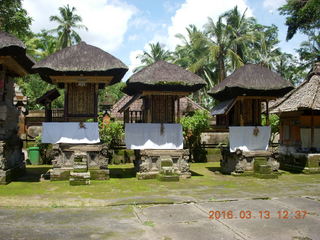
{"x": 81, "y": 59}
{"x": 15, "y": 48}
{"x": 163, "y": 76}
{"x": 251, "y": 80}
{"x": 186, "y": 105}
{"x": 305, "y": 97}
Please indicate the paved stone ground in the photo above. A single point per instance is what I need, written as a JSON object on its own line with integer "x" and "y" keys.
{"x": 165, "y": 222}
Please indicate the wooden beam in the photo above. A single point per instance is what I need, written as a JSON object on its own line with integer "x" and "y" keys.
{"x": 267, "y": 113}
{"x": 146, "y": 93}
{"x": 13, "y": 66}
{"x": 241, "y": 112}
{"x": 81, "y": 79}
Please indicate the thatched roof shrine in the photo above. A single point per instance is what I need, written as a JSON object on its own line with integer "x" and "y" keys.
{"x": 81, "y": 59}
{"x": 163, "y": 76}
{"x": 12, "y": 48}
{"x": 304, "y": 97}
{"x": 251, "y": 80}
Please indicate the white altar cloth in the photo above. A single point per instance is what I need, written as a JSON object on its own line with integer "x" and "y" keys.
{"x": 70, "y": 132}
{"x": 243, "y": 138}
{"x": 149, "y": 136}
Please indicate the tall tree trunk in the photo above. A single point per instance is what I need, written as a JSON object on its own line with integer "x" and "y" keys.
{"x": 222, "y": 69}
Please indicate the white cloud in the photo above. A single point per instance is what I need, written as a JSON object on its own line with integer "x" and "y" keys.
{"x": 197, "y": 12}
{"x": 134, "y": 63}
{"x": 107, "y": 20}
{"x": 273, "y": 5}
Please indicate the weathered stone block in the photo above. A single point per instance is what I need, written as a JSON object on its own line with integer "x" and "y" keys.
{"x": 5, "y": 177}
{"x": 264, "y": 169}
{"x": 168, "y": 178}
{"x": 147, "y": 175}
{"x": 59, "y": 174}
{"x": 75, "y": 182}
{"x": 100, "y": 174}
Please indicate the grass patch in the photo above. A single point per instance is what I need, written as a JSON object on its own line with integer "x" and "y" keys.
{"x": 124, "y": 188}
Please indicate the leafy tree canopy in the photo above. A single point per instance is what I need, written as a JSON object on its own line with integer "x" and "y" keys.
{"x": 14, "y": 19}
{"x": 303, "y": 15}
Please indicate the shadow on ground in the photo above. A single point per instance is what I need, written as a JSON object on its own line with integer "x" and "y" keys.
{"x": 122, "y": 173}
{"x": 193, "y": 173}
{"x": 32, "y": 174}
{"x": 216, "y": 169}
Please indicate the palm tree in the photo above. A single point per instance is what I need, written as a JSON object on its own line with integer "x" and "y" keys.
{"x": 220, "y": 47}
{"x": 157, "y": 53}
{"x": 242, "y": 32}
{"x": 193, "y": 56}
{"x": 68, "y": 21}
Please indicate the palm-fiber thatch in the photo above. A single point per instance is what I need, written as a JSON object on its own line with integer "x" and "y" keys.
{"x": 163, "y": 76}
{"x": 251, "y": 80}
{"x": 305, "y": 97}
{"x": 12, "y": 46}
{"x": 81, "y": 59}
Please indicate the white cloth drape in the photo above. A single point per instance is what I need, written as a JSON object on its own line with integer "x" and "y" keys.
{"x": 149, "y": 136}
{"x": 70, "y": 132}
{"x": 243, "y": 138}
{"x": 305, "y": 134}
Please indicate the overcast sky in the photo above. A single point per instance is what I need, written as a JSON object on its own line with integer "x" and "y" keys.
{"x": 125, "y": 28}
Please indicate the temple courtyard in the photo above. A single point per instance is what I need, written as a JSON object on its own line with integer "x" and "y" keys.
{"x": 126, "y": 208}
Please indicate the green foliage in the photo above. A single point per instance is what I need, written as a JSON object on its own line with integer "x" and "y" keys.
{"x": 41, "y": 45}
{"x": 193, "y": 126}
{"x": 112, "y": 94}
{"x": 67, "y": 22}
{"x": 34, "y": 87}
{"x": 111, "y": 133}
{"x": 157, "y": 52}
{"x": 14, "y": 19}
{"x": 274, "y": 122}
{"x": 44, "y": 149}
{"x": 301, "y": 15}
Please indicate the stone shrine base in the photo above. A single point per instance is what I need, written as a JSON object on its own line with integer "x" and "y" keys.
{"x": 96, "y": 157}
{"x": 300, "y": 162}
{"x": 165, "y": 165}
{"x": 261, "y": 164}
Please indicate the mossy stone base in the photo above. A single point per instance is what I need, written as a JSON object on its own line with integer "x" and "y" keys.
{"x": 74, "y": 182}
{"x": 63, "y": 174}
{"x": 100, "y": 174}
{"x": 147, "y": 175}
{"x": 60, "y": 174}
{"x": 266, "y": 175}
{"x": 6, "y": 176}
{"x": 300, "y": 162}
{"x": 168, "y": 178}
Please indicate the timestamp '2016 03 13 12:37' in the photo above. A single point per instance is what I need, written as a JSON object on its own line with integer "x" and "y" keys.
{"x": 262, "y": 214}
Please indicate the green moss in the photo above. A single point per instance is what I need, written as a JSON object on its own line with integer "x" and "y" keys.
{"x": 124, "y": 188}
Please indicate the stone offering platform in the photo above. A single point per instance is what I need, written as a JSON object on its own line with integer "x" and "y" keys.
{"x": 97, "y": 158}
{"x": 158, "y": 163}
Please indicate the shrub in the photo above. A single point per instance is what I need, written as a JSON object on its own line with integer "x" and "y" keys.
{"x": 193, "y": 126}
{"x": 111, "y": 133}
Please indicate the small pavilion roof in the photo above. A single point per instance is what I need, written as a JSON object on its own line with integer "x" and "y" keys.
{"x": 251, "y": 80}
{"x": 163, "y": 76}
{"x": 81, "y": 59}
{"x": 305, "y": 97}
{"x": 15, "y": 48}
